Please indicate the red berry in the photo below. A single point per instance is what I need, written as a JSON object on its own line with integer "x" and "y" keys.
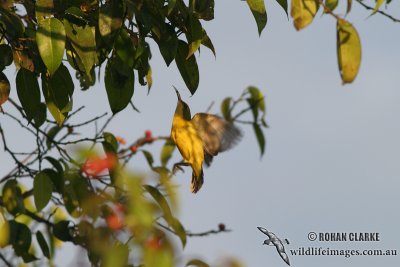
{"x": 221, "y": 227}
{"x": 148, "y": 136}
{"x": 154, "y": 243}
{"x": 134, "y": 149}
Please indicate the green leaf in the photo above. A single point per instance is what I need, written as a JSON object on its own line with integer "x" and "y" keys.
{"x": 257, "y": 7}
{"x": 4, "y": 89}
{"x": 6, "y": 56}
{"x": 303, "y": 12}
{"x": 119, "y": 80}
{"x": 171, "y": 6}
{"x": 204, "y": 9}
{"x": 83, "y": 40}
{"x": 258, "y": 97}
{"x": 125, "y": 48}
{"x": 112, "y": 142}
{"x": 198, "y": 263}
{"x": 168, "y": 45}
{"x": 330, "y": 5}
{"x": 187, "y": 67}
{"x": 180, "y": 231}
{"x": 43, "y": 9}
{"x": 50, "y": 38}
{"x": 194, "y": 35}
{"x": 348, "y": 51}
{"x": 206, "y": 41}
{"x": 149, "y": 157}
{"x": 12, "y": 24}
{"x": 55, "y": 163}
{"x": 20, "y": 238}
{"x": 61, "y": 231}
{"x": 51, "y": 134}
{"x": 12, "y": 197}
{"x": 56, "y": 179}
{"x": 58, "y": 90}
{"x": 110, "y": 17}
{"x": 166, "y": 152}
{"x": 42, "y": 190}
{"x": 28, "y": 92}
{"x": 43, "y": 244}
{"x": 162, "y": 202}
{"x": 41, "y": 116}
{"x": 284, "y": 5}
{"x": 260, "y": 137}
{"x": 226, "y": 108}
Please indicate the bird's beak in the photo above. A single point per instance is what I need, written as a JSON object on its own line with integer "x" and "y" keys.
{"x": 177, "y": 93}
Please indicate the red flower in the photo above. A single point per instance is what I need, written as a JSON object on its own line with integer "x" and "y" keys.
{"x": 95, "y": 165}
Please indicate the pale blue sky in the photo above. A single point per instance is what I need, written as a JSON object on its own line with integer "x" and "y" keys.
{"x": 331, "y": 163}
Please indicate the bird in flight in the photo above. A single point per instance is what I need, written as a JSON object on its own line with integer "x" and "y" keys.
{"x": 200, "y": 138}
{"x": 273, "y": 240}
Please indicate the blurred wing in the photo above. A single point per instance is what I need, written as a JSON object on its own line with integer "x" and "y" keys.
{"x": 217, "y": 134}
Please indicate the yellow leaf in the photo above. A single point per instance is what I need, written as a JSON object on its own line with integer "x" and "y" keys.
{"x": 348, "y": 51}
{"x": 4, "y": 230}
{"x": 303, "y": 12}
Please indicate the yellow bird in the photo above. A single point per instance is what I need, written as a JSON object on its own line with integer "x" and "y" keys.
{"x": 200, "y": 138}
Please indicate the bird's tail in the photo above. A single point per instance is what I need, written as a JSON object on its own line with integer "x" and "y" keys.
{"x": 197, "y": 181}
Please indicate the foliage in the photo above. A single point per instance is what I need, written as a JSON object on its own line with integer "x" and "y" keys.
{"x": 89, "y": 198}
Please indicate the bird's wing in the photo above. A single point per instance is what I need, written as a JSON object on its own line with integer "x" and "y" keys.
{"x": 217, "y": 134}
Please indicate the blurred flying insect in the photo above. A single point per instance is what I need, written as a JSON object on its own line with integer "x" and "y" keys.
{"x": 200, "y": 138}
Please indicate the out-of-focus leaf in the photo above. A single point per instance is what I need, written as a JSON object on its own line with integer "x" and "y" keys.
{"x": 42, "y": 190}
{"x": 258, "y": 100}
{"x": 303, "y": 12}
{"x": 166, "y": 152}
{"x": 61, "y": 230}
{"x": 43, "y": 244}
{"x": 226, "y": 108}
{"x": 12, "y": 197}
{"x": 260, "y": 137}
{"x": 187, "y": 67}
{"x": 119, "y": 81}
{"x": 12, "y": 24}
{"x": 198, "y": 263}
{"x": 51, "y": 134}
{"x": 28, "y": 92}
{"x": 257, "y": 7}
{"x": 4, "y": 89}
{"x": 116, "y": 256}
{"x": 162, "y": 202}
{"x": 284, "y": 5}
{"x": 50, "y": 38}
{"x": 348, "y": 51}
{"x": 125, "y": 48}
{"x": 83, "y": 41}
{"x": 149, "y": 157}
